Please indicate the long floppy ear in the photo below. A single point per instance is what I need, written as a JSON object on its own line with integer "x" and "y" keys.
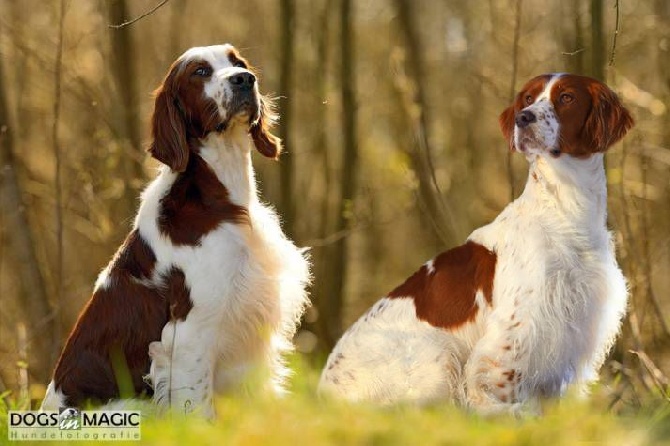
{"x": 608, "y": 121}
{"x": 168, "y": 130}
{"x": 266, "y": 143}
{"x": 506, "y": 121}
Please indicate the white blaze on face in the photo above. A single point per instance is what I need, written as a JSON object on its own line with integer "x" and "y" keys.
{"x": 218, "y": 86}
{"x": 543, "y": 134}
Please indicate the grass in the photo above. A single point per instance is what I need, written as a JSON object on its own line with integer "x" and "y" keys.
{"x": 304, "y": 419}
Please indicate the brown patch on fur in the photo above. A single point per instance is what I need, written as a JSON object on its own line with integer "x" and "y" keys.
{"x": 126, "y": 314}
{"x": 446, "y": 297}
{"x": 178, "y": 294}
{"x": 196, "y": 204}
{"x": 510, "y": 374}
{"x": 237, "y": 60}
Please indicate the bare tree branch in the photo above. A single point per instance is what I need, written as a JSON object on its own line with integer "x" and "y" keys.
{"x": 573, "y": 53}
{"x": 140, "y": 17}
{"x": 616, "y": 34}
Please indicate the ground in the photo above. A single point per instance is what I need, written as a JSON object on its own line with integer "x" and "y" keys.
{"x": 303, "y": 418}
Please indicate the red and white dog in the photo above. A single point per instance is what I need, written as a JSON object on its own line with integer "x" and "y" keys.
{"x": 206, "y": 288}
{"x": 532, "y": 302}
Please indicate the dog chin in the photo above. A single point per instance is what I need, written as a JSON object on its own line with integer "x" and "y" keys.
{"x": 243, "y": 117}
{"x": 529, "y": 146}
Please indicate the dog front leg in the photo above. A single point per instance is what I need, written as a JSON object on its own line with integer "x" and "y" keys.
{"x": 182, "y": 369}
{"x": 497, "y": 370}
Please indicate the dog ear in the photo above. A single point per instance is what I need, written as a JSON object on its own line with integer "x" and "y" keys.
{"x": 608, "y": 120}
{"x": 266, "y": 143}
{"x": 168, "y": 130}
{"x": 506, "y": 121}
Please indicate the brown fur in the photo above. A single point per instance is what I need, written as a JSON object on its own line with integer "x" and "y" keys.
{"x": 446, "y": 297}
{"x": 196, "y": 204}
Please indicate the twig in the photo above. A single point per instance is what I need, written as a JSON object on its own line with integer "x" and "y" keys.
{"x": 344, "y": 233}
{"x": 660, "y": 380}
{"x": 616, "y": 34}
{"x": 573, "y": 53}
{"x": 140, "y": 17}
{"x": 58, "y": 176}
{"x": 515, "y": 64}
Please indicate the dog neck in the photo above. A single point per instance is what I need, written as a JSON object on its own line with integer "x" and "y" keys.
{"x": 229, "y": 156}
{"x": 573, "y": 186}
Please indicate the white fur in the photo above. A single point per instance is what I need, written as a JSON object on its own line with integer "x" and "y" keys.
{"x": 54, "y": 398}
{"x": 558, "y": 299}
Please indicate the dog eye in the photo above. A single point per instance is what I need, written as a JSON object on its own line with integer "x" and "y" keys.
{"x": 202, "y": 71}
{"x": 566, "y": 98}
{"x": 529, "y": 99}
{"x": 240, "y": 64}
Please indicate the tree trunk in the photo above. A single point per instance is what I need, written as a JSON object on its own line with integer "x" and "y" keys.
{"x": 19, "y": 16}
{"x": 286, "y": 170}
{"x": 34, "y": 301}
{"x": 333, "y": 299}
{"x": 439, "y": 213}
{"x": 123, "y": 60}
{"x": 322, "y": 268}
{"x": 597, "y": 41}
{"x": 176, "y": 20}
{"x": 572, "y": 36}
{"x": 578, "y": 58}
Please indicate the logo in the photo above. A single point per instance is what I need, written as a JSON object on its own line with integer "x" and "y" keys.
{"x": 69, "y": 419}
{"x": 73, "y": 424}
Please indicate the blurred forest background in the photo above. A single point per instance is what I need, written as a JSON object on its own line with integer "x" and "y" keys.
{"x": 389, "y": 115}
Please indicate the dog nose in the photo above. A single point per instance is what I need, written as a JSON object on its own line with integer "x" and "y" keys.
{"x": 523, "y": 118}
{"x": 243, "y": 80}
